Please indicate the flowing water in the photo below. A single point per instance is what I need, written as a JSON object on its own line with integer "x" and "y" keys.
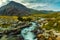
{"x": 27, "y": 32}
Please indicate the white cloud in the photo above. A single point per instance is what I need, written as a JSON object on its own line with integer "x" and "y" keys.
{"x": 3, "y": 2}
{"x": 38, "y": 5}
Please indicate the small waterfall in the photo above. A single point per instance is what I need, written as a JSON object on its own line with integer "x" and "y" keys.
{"x": 27, "y": 32}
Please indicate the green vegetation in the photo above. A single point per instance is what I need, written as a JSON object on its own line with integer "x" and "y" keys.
{"x": 52, "y": 18}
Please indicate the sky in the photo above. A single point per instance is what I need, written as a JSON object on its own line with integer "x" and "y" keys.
{"x": 36, "y": 4}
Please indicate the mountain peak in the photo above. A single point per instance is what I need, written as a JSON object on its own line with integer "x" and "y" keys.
{"x": 14, "y": 8}
{"x": 13, "y": 3}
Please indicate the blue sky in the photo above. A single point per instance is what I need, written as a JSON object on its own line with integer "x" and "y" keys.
{"x": 37, "y": 4}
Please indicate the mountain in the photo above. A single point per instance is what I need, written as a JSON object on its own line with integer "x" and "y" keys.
{"x": 17, "y": 9}
{"x": 14, "y": 9}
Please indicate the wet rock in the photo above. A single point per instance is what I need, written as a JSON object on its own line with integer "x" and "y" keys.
{"x": 1, "y": 34}
{"x": 20, "y": 37}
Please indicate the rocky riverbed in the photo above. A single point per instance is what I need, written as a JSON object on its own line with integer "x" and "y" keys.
{"x": 27, "y": 30}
